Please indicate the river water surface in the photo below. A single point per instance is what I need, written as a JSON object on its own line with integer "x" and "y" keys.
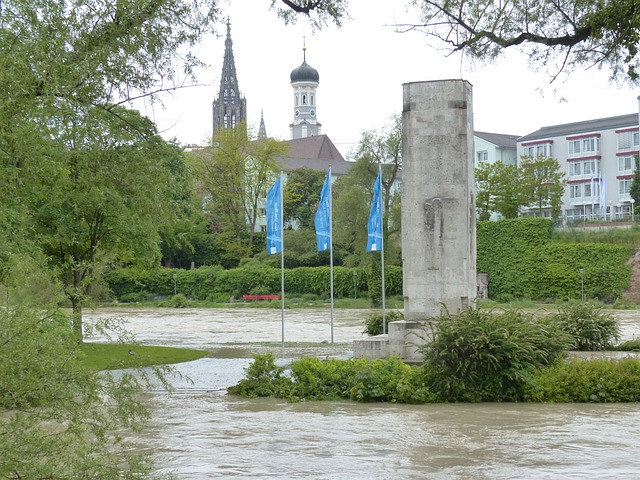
{"x": 199, "y": 432}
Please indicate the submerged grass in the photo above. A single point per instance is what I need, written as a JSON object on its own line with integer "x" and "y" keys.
{"x": 111, "y": 356}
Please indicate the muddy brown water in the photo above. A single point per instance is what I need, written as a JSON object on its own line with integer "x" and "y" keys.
{"x": 199, "y": 432}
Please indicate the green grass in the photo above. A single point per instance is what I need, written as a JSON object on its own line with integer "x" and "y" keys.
{"x": 110, "y": 356}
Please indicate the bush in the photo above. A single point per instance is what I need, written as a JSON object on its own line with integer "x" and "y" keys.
{"x": 592, "y": 380}
{"x": 373, "y": 324}
{"x": 628, "y": 346}
{"x": 591, "y": 328}
{"x": 479, "y": 355}
{"x": 264, "y": 378}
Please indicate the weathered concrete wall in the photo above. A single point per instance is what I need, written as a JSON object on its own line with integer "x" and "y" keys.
{"x": 438, "y": 198}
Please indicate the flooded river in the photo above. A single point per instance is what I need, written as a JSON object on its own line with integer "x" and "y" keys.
{"x": 199, "y": 432}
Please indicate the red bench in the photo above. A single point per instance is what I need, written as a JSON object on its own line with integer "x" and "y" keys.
{"x": 253, "y": 298}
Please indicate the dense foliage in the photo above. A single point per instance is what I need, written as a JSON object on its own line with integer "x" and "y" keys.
{"x": 587, "y": 380}
{"x": 590, "y": 327}
{"x": 567, "y": 34}
{"x": 484, "y": 356}
{"x": 253, "y": 280}
{"x": 60, "y": 419}
{"x": 473, "y": 356}
{"x": 522, "y": 262}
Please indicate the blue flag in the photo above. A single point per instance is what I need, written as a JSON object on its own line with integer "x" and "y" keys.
{"x": 323, "y": 216}
{"x": 374, "y": 242}
{"x": 274, "y": 218}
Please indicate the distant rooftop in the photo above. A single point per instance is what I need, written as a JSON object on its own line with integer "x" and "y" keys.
{"x": 609, "y": 123}
{"x": 317, "y": 152}
{"x": 498, "y": 139}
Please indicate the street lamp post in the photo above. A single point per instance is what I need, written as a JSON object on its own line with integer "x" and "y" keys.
{"x": 582, "y": 284}
{"x": 355, "y": 284}
{"x": 633, "y": 200}
{"x": 175, "y": 284}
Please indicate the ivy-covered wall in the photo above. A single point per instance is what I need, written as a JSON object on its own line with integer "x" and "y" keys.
{"x": 522, "y": 262}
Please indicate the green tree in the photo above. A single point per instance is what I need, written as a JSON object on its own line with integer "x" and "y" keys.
{"x": 499, "y": 189}
{"x": 235, "y": 174}
{"x": 544, "y": 183}
{"x": 353, "y": 194}
{"x": 301, "y": 196}
{"x": 60, "y": 420}
{"x": 569, "y": 34}
{"x": 634, "y": 189}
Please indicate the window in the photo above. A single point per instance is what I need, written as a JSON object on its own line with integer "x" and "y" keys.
{"x": 629, "y": 140}
{"x": 574, "y": 147}
{"x": 575, "y": 168}
{"x": 624, "y": 186}
{"x": 312, "y": 99}
{"x": 297, "y": 99}
{"x": 589, "y": 167}
{"x": 304, "y": 98}
{"x": 591, "y": 145}
{"x": 626, "y": 164}
{"x": 584, "y": 146}
{"x": 483, "y": 156}
{"x": 575, "y": 191}
{"x": 539, "y": 149}
{"x": 587, "y": 190}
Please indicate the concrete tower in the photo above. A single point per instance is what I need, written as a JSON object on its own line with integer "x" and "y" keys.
{"x": 304, "y": 81}
{"x": 229, "y": 107}
{"x": 438, "y": 198}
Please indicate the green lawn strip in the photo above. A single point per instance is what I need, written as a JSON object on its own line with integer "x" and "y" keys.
{"x": 109, "y": 356}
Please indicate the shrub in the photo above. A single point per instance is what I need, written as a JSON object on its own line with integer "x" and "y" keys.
{"x": 373, "y": 324}
{"x": 479, "y": 355}
{"x": 628, "y": 346}
{"x": 264, "y": 378}
{"x": 582, "y": 380}
{"x": 590, "y": 327}
{"x": 178, "y": 301}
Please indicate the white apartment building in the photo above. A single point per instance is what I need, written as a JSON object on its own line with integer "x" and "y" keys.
{"x": 592, "y": 154}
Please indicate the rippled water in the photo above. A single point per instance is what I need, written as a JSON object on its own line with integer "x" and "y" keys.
{"x": 199, "y": 432}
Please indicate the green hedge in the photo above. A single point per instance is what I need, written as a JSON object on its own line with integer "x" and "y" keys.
{"x": 202, "y": 282}
{"x": 518, "y": 256}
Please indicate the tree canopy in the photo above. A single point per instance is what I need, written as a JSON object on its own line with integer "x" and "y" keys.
{"x": 563, "y": 34}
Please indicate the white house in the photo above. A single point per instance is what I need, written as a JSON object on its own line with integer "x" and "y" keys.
{"x": 591, "y": 153}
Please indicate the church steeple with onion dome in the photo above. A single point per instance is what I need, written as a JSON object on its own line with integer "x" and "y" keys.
{"x": 304, "y": 80}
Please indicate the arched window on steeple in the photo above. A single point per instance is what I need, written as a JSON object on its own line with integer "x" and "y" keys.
{"x": 296, "y": 99}
{"x": 304, "y": 98}
{"x": 312, "y": 99}
{"x": 225, "y": 120}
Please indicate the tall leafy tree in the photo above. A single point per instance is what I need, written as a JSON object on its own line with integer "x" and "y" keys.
{"x": 568, "y": 34}
{"x": 301, "y": 196}
{"x": 354, "y": 192}
{"x": 544, "y": 183}
{"x": 634, "y": 189}
{"x": 235, "y": 174}
{"x": 500, "y": 190}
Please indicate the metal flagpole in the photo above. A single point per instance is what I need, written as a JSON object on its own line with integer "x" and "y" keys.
{"x": 331, "y": 250}
{"x": 282, "y": 257}
{"x": 384, "y": 321}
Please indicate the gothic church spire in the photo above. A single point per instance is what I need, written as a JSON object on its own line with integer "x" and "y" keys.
{"x": 229, "y": 107}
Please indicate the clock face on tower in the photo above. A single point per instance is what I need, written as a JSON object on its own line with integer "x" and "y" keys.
{"x": 312, "y": 113}
{"x": 297, "y": 113}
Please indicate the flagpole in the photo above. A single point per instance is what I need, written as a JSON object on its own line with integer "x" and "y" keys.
{"x": 282, "y": 258}
{"x": 331, "y": 251}
{"x": 384, "y": 322}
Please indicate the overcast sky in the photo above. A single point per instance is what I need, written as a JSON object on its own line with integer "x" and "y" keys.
{"x": 362, "y": 67}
